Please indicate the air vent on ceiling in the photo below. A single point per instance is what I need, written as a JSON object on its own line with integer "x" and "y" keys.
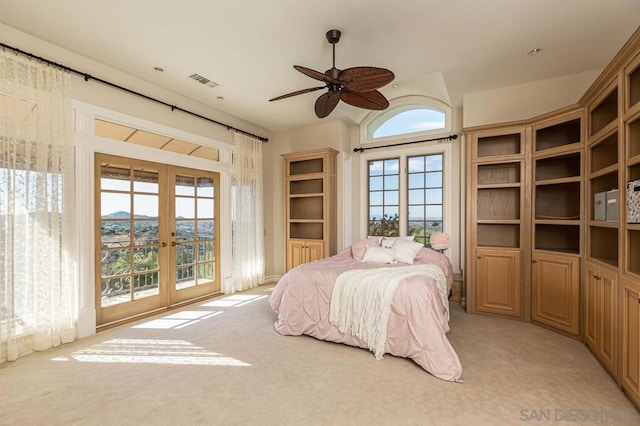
{"x": 203, "y": 80}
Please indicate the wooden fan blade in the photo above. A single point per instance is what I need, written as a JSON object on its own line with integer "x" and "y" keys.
{"x": 367, "y": 100}
{"x": 299, "y": 92}
{"x": 316, "y": 74}
{"x": 326, "y": 103}
{"x": 365, "y": 79}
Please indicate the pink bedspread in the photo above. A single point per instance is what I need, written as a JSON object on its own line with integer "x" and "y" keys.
{"x": 417, "y": 326}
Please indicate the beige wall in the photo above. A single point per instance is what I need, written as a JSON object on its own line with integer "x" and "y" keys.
{"x": 525, "y": 101}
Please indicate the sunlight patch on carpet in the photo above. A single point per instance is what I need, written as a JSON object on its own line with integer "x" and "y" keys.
{"x": 233, "y": 300}
{"x": 143, "y": 351}
{"x": 178, "y": 320}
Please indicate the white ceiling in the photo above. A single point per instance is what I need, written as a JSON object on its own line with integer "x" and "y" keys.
{"x": 443, "y": 48}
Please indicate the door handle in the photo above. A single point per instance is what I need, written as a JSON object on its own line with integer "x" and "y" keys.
{"x": 163, "y": 244}
{"x": 173, "y": 243}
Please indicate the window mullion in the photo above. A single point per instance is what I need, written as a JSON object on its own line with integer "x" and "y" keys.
{"x": 403, "y": 210}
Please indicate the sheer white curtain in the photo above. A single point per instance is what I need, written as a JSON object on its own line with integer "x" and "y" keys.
{"x": 247, "y": 215}
{"x": 37, "y": 261}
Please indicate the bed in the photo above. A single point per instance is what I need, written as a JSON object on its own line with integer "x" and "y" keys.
{"x": 307, "y": 301}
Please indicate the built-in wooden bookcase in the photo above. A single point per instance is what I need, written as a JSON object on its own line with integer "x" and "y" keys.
{"x": 603, "y": 178}
{"x": 557, "y": 197}
{"x": 310, "y": 205}
{"x": 497, "y": 196}
{"x": 632, "y": 258}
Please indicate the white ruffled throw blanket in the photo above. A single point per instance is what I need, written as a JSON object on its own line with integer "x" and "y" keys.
{"x": 361, "y": 300}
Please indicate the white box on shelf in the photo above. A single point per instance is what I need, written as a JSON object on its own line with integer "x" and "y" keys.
{"x": 633, "y": 201}
{"x": 600, "y": 206}
{"x": 613, "y": 209}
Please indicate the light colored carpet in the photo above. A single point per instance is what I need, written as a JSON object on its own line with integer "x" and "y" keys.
{"x": 220, "y": 362}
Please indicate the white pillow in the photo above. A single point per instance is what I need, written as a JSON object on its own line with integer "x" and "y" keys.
{"x": 378, "y": 255}
{"x": 405, "y": 251}
{"x": 387, "y": 242}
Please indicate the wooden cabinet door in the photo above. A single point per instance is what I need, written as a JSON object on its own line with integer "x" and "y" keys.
{"x": 296, "y": 255}
{"x": 591, "y": 308}
{"x": 631, "y": 339}
{"x": 499, "y": 281}
{"x": 556, "y": 291}
{"x": 314, "y": 250}
{"x": 303, "y": 251}
{"x": 601, "y": 316}
{"x": 608, "y": 319}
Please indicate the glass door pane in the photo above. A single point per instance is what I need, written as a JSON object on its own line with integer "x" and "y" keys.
{"x": 193, "y": 233}
{"x": 129, "y": 237}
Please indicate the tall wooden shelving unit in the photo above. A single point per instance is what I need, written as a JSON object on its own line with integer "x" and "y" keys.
{"x": 630, "y": 374}
{"x": 525, "y": 223}
{"x": 557, "y": 226}
{"x": 310, "y": 205}
{"x": 496, "y": 220}
{"x": 603, "y": 231}
{"x": 569, "y": 174}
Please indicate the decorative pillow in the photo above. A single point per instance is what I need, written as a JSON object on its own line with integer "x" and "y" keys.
{"x": 358, "y": 248}
{"x": 378, "y": 255}
{"x": 387, "y": 242}
{"x": 405, "y": 251}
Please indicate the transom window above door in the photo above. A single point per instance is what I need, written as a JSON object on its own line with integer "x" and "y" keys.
{"x": 142, "y": 137}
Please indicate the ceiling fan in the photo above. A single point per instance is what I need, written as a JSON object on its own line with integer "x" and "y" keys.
{"x": 355, "y": 86}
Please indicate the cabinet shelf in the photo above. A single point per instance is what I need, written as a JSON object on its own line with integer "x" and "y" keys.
{"x": 309, "y": 195}
{"x": 605, "y": 113}
{"x": 558, "y": 181}
{"x": 603, "y": 243}
{"x": 499, "y": 221}
{"x": 633, "y": 161}
{"x": 633, "y": 83}
{"x": 560, "y": 167}
{"x": 603, "y": 224}
{"x": 557, "y": 221}
{"x": 306, "y": 207}
{"x": 633, "y": 249}
{"x": 498, "y": 235}
{"x": 298, "y": 187}
{"x": 306, "y": 167}
{"x": 558, "y": 201}
{"x": 561, "y": 238}
{"x": 499, "y": 185}
{"x": 502, "y": 173}
{"x": 500, "y": 145}
{"x": 564, "y": 135}
{"x": 633, "y": 138}
{"x": 610, "y": 170}
{"x": 604, "y": 154}
{"x": 499, "y": 203}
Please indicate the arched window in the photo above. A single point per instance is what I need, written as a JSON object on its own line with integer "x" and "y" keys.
{"x": 406, "y": 118}
{"x": 408, "y": 190}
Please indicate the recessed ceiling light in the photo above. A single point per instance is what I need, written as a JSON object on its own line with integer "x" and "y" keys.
{"x": 395, "y": 85}
{"x": 533, "y": 52}
{"x": 159, "y": 69}
{"x": 220, "y": 97}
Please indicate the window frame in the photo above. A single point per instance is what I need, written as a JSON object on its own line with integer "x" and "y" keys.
{"x": 403, "y": 154}
{"x": 401, "y": 105}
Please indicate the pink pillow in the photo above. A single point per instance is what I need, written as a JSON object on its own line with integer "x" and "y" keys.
{"x": 358, "y": 249}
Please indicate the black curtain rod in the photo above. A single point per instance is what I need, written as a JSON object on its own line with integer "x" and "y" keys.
{"x": 88, "y": 77}
{"x": 442, "y": 139}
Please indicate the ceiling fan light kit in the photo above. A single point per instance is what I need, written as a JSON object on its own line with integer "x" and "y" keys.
{"x": 356, "y": 86}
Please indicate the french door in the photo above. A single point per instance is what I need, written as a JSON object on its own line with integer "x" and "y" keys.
{"x": 156, "y": 236}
